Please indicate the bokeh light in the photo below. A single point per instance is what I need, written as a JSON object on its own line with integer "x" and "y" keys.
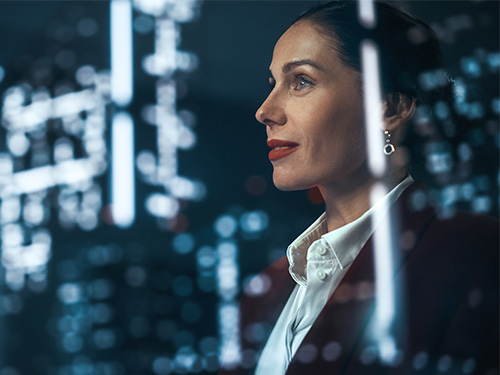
{"x": 82, "y": 294}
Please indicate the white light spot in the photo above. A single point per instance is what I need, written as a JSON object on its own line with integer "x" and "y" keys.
{"x": 69, "y": 293}
{"x": 18, "y": 143}
{"x": 226, "y": 226}
{"x": 258, "y": 285}
{"x": 163, "y": 206}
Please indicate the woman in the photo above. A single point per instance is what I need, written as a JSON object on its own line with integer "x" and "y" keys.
{"x": 324, "y": 318}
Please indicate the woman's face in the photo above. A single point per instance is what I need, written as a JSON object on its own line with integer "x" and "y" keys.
{"x": 314, "y": 113}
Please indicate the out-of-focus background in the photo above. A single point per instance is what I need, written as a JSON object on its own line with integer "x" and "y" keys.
{"x": 135, "y": 191}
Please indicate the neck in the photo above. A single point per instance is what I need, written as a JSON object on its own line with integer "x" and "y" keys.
{"x": 349, "y": 199}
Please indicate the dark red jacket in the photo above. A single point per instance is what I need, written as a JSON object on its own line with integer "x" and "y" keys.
{"x": 448, "y": 313}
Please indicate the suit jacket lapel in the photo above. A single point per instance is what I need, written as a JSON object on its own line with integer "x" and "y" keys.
{"x": 336, "y": 333}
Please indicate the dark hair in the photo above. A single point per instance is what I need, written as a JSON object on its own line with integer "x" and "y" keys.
{"x": 409, "y": 52}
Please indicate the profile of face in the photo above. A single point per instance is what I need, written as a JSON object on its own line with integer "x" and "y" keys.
{"x": 314, "y": 113}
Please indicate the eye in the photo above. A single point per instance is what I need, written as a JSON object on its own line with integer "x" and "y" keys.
{"x": 302, "y": 82}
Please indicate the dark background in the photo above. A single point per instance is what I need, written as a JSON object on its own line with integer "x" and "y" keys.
{"x": 159, "y": 305}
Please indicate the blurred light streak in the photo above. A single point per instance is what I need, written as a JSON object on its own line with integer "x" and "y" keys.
{"x": 373, "y": 108}
{"x": 227, "y": 289}
{"x": 385, "y": 297}
{"x": 65, "y": 173}
{"x": 121, "y": 52}
{"x": 19, "y": 260}
{"x": 366, "y": 13}
{"x": 25, "y": 115}
{"x": 122, "y": 170}
{"x": 173, "y": 127}
{"x": 384, "y": 249}
{"x": 26, "y": 118}
{"x": 30, "y": 257}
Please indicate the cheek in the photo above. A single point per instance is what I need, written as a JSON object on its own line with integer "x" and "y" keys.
{"x": 339, "y": 132}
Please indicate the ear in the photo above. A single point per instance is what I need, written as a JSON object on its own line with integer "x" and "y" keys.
{"x": 398, "y": 109}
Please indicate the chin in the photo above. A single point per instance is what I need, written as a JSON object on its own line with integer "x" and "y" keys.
{"x": 289, "y": 185}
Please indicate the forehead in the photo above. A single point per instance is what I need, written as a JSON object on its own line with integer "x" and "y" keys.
{"x": 303, "y": 41}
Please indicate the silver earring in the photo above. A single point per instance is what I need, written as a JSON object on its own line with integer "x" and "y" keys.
{"x": 388, "y": 147}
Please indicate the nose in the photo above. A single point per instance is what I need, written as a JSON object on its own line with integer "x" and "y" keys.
{"x": 271, "y": 112}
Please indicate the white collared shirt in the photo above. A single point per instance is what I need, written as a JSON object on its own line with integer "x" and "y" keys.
{"x": 318, "y": 261}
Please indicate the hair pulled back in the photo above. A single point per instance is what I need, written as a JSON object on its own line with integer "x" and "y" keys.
{"x": 410, "y": 56}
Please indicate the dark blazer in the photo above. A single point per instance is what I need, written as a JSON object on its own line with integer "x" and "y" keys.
{"x": 448, "y": 313}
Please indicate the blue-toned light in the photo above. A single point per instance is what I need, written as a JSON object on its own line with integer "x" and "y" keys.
{"x": 254, "y": 221}
{"x": 162, "y": 366}
{"x": 183, "y": 243}
{"x": 206, "y": 257}
{"x": 470, "y": 66}
{"x": 87, "y": 27}
{"x": 495, "y": 105}
{"x": 226, "y": 226}
{"x": 69, "y": 293}
{"x": 493, "y": 60}
{"x": 433, "y": 79}
{"x": 442, "y": 111}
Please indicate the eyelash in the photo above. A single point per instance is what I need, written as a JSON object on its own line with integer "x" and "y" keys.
{"x": 300, "y": 79}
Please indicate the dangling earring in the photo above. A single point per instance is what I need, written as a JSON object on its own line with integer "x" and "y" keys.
{"x": 389, "y": 147}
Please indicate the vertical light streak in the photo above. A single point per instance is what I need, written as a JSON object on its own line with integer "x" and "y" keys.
{"x": 121, "y": 52}
{"x": 383, "y": 241}
{"x": 227, "y": 288}
{"x": 366, "y": 13}
{"x": 122, "y": 170}
{"x": 384, "y": 270}
{"x": 373, "y": 108}
{"x": 122, "y": 131}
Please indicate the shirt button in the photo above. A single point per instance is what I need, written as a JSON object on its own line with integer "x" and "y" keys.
{"x": 321, "y": 275}
{"x": 321, "y": 250}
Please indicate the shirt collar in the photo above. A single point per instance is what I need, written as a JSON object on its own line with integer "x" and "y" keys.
{"x": 346, "y": 241}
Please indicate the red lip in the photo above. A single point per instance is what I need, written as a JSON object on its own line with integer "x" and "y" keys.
{"x": 285, "y": 149}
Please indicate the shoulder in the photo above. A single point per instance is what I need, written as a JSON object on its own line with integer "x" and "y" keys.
{"x": 470, "y": 223}
{"x": 465, "y": 232}
{"x": 460, "y": 232}
{"x": 456, "y": 257}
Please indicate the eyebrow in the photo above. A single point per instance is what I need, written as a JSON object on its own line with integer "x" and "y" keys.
{"x": 293, "y": 64}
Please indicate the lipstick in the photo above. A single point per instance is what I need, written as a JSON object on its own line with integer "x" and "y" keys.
{"x": 280, "y": 148}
